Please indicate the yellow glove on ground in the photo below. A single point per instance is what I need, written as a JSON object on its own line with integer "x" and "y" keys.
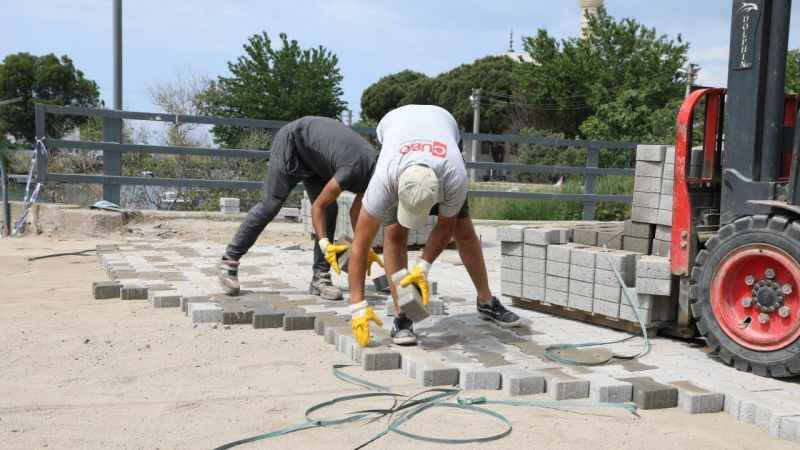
{"x": 362, "y": 315}
{"x": 332, "y": 252}
{"x": 419, "y": 278}
{"x": 373, "y": 257}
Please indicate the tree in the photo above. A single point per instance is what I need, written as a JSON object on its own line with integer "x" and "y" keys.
{"x": 182, "y": 96}
{"x": 387, "y": 93}
{"x": 42, "y": 79}
{"x": 283, "y": 83}
{"x": 793, "y": 71}
{"x": 621, "y": 82}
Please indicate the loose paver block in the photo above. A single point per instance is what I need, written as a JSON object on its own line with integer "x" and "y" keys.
{"x": 696, "y": 400}
{"x": 205, "y": 312}
{"x": 379, "y": 359}
{"x": 650, "y": 394}
{"x": 185, "y": 301}
{"x": 585, "y": 236}
{"x": 430, "y": 372}
{"x": 544, "y": 236}
{"x": 476, "y": 377}
{"x": 103, "y": 290}
{"x": 517, "y": 381}
{"x": 162, "y": 300}
{"x": 603, "y": 388}
{"x": 511, "y": 233}
{"x": 133, "y": 292}
{"x": 562, "y": 386}
{"x": 330, "y": 319}
{"x": 409, "y": 299}
{"x": 294, "y": 322}
{"x": 268, "y": 318}
{"x": 381, "y": 283}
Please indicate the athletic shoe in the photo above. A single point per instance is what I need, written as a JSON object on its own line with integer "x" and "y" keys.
{"x": 403, "y": 331}
{"x": 229, "y": 276}
{"x": 322, "y": 285}
{"x": 497, "y": 313}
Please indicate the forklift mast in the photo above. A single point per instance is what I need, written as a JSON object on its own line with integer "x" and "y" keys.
{"x": 755, "y": 134}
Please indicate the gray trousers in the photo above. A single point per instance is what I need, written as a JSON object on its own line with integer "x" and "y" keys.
{"x": 285, "y": 172}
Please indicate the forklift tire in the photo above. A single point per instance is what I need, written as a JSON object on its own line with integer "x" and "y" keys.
{"x": 745, "y": 295}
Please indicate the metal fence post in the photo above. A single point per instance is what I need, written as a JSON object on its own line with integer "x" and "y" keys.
{"x": 39, "y": 115}
{"x": 112, "y": 161}
{"x": 6, "y": 206}
{"x": 590, "y": 182}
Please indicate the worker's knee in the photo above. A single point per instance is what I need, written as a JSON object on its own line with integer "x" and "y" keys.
{"x": 395, "y": 234}
{"x": 464, "y": 231}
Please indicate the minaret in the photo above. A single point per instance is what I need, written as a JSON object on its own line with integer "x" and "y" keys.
{"x": 588, "y": 8}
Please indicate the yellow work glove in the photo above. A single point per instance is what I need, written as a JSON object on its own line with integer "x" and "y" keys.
{"x": 332, "y": 253}
{"x": 373, "y": 257}
{"x": 362, "y": 315}
{"x": 419, "y": 278}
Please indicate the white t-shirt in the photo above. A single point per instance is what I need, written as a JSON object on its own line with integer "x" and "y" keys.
{"x": 417, "y": 134}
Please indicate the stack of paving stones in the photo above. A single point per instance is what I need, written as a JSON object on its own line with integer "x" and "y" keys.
{"x": 459, "y": 349}
{"x": 229, "y": 205}
{"x": 653, "y": 182}
{"x": 654, "y": 286}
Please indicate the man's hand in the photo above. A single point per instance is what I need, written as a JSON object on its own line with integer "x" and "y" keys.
{"x": 362, "y": 315}
{"x": 373, "y": 257}
{"x": 332, "y": 252}
{"x": 419, "y": 278}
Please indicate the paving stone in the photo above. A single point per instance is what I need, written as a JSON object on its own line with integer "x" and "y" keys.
{"x": 695, "y": 400}
{"x": 661, "y": 248}
{"x": 234, "y": 313}
{"x": 638, "y": 245}
{"x": 436, "y": 308}
{"x": 579, "y": 273}
{"x": 650, "y": 153}
{"x": 605, "y": 293}
{"x": 556, "y": 297}
{"x": 612, "y": 239}
{"x": 545, "y": 236}
{"x": 268, "y": 319}
{"x": 381, "y": 284}
{"x": 584, "y": 236}
{"x": 379, "y": 359}
{"x": 388, "y": 307}
{"x": 133, "y": 292}
{"x": 653, "y": 286}
{"x": 603, "y": 388}
{"x": 533, "y": 292}
{"x": 664, "y": 217}
{"x": 511, "y": 289}
{"x": 639, "y": 229}
{"x": 534, "y": 279}
{"x": 790, "y": 429}
{"x": 650, "y": 200}
{"x": 535, "y": 251}
{"x": 559, "y": 253}
{"x": 667, "y": 185}
{"x": 604, "y": 308}
{"x": 650, "y": 394}
{"x": 430, "y": 372}
{"x": 205, "y": 312}
{"x": 295, "y": 322}
{"x": 327, "y": 319}
{"x": 665, "y": 203}
{"x": 558, "y": 269}
{"x": 557, "y": 283}
{"x": 583, "y": 256}
{"x": 649, "y": 169}
{"x": 346, "y": 344}
{"x": 642, "y": 214}
{"x": 511, "y": 275}
{"x": 648, "y": 266}
{"x": 103, "y": 290}
{"x": 580, "y": 302}
{"x": 478, "y": 378}
{"x": 581, "y": 288}
{"x": 185, "y": 301}
{"x": 512, "y": 248}
{"x": 562, "y": 386}
{"x": 511, "y": 233}
{"x": 511, "y": 262}
{"x": 331, "y": 333}
{"x": 165, "y": 300}
{"x": 409, "y": 300}
{"x": 646, "y": 185}
{"x": 516, "y": 381}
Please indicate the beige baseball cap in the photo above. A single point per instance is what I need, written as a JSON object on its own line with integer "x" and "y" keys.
{"x": 418, "y": 191}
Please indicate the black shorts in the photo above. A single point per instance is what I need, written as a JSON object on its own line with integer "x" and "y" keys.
{"x": 463, "y": 213}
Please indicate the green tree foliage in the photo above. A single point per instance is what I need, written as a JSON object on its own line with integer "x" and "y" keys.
{"x": 283, "y": 83}
{"x": 387, "y": 93}
{"x": 622, "y": 82}
{"x": 42, "y": 79}
{"x": 793, "y": 71}
{"x": 450, "y": 90}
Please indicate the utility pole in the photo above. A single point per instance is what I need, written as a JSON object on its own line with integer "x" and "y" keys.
{"x": 475, "y": 98}
{"x": 112, "y": 128}
{"x": 349, "y": 118}
{"x": 691, "y": 77}
{"x": 118, "y": 54}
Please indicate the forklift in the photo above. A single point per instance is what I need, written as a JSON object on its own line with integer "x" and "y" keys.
{"x": 735, "y": 250}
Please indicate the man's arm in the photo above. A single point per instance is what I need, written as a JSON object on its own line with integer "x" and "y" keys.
{"x": 325, "y": 198}
{"x": 440, "y": 237}
{"x": 365, "y": 230}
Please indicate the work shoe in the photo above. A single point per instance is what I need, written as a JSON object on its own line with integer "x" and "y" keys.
{"x": 229, "y": 276}
{"x": 496, "y": 312}
{"x": 322, "y": 285}
{"x": 403, "y": 331}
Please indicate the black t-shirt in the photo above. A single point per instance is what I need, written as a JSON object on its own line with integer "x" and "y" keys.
{"x": 330, "y": 149}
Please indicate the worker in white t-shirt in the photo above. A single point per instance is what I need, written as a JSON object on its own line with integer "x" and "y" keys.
{"x": 420, "y": 172}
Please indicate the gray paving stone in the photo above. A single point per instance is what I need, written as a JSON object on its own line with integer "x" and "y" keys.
{"x": 324, "y": 320}
{"x": 133, "y": 292}
{"x": 518, "y": 381}
{"x": 650, "y": 394}
{"x": 649, "y": 169}
{"x": 294, "y": 322}
{"x": 581, "y": 288}
{"x": 605, "y": 293}
{"x": 649, "y": 200}
{"x": 162, "y": 300}
{"x": 562, "y": 386}
{"x": 583, "y": 256}
{"x": 104, "y": 290}
{"x": 664, "y": 217}
{"x": 650, "y": 153}
{"x": 558, "y": 269}
{"x": 695, "y": 400}
{"x": 557, "y": 283}
{"x": 546, "y": 235}
{"x": 612, "y": 240}
{"x": 535, "y": 251}
{"x": 648, "y": 266}
{"x": 604, "y": 308}
{"x": 579, "y": 273}
{"x": 409, "y": 300}
{"x": 534, "y": 279}
{"x": 475, "y": 377}
{"x": 268, "y": 319}
{"x": 331, "y": 333}
{"x": 530, "y": 265}
{"x": 511, "y": 233}
{"x": 559, "y": 253}
{"x": 585, "y": 236}
{"x": 653, "y": 286}
{"x": 511, "y": 275}
{"x": 661, "y": 248}
{"x": 511, "y": 289}
{"x": 436, "y": 308}
{"x": 603, "y": 388}
{"x": 430, "y": 372}
{"x": 580, "y": 302}
{"x": 205, "y": 312}
{"x": 665, "y": 203}
{"x": 646, "y": 185}
{"x": 533, "y": 292}
{"x": 638, "y": 245}
{"x": 185, "y": 301}
{"x": 512, "y": 248}
{"x": 638, "y": 229}
{"x": 667, "y": 184}
{"x": 381, "y": 284}
{"x": 790, "y": 429}
{"x": 379, "y": 359}
{"x": 556, "y": 297}
{"x": 511, "y": 262}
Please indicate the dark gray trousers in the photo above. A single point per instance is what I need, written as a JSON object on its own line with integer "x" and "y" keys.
{"x": 284, "y": 173}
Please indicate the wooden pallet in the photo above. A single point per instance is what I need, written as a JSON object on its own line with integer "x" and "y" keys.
{"x": 583, "y": 316}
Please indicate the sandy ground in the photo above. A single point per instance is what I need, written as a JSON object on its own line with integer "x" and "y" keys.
{"x": 76, "y": 373}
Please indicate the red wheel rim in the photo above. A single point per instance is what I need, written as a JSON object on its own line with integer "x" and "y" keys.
{"x": 728, "y": 288}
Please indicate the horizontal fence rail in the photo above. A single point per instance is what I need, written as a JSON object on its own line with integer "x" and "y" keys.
{"x": 112, "y": 149}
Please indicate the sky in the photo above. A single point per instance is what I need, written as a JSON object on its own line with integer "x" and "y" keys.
{"x": 371, "y": 38}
